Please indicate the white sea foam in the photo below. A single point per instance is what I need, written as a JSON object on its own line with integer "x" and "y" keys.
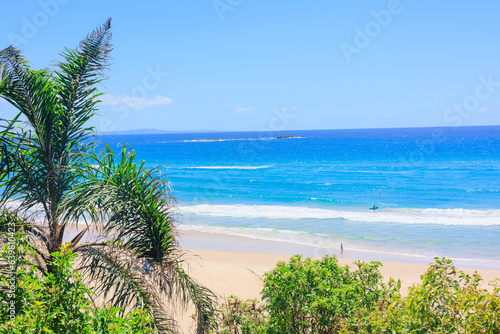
{"x": 209, "y": 140}
{"x": 370, "y": 171}
{"x": 269, "y": 234}
{"x": 463, "y": 217}
{"x": 483, "y": 191}
{"x": 323, "y": 244}
{"x": 229, "y": 167}
{"x": 205, "y": 140}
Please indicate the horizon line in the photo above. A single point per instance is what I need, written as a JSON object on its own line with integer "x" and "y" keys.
{"x": 287, "y": 130}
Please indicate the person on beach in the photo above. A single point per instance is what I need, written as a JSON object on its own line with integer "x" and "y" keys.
{"x": 374, "y": 207}
{"x": 342, "y": 250}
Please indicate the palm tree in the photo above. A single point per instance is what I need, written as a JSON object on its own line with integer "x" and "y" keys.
{"x": 56, "y": 176}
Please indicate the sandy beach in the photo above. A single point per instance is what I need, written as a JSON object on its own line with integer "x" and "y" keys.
{"x": 233, "y": 265}
{"x": 239, "y": 273}
{"x": 236, "y": 266}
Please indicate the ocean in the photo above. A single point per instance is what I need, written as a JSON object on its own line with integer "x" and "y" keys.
{"x": 437, "y": 189}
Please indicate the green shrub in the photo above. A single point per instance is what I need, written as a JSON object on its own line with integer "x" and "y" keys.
{"x": 238, "y": 316}
{"x": 447, "y": 301}
{"x": 56, "y": 302}
{"x": 109, "y": 319}
{"x": 319, "y": 296}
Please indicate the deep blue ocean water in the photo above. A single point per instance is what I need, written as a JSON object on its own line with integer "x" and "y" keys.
{"x": 437, "y": 189}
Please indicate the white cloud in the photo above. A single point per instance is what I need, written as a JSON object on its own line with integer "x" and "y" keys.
{"x": 242, "y": 109}
{"x": 133, "y": 102}
{"x": 482, "y": 109}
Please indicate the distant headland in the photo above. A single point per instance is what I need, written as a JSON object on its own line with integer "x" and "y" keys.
{"x": 157, "y": 131}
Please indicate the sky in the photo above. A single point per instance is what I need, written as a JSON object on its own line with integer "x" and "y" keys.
{"x": 241, "y": 65}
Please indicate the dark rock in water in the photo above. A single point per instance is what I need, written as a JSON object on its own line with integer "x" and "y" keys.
{"x": 286, "y": 137}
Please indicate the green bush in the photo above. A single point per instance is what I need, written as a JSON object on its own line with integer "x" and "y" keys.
{"x": 319, "y": 296}
{"x": 447, "y": 301}
{"x": 56, "y": 302}
{"x": 109, "y": 319}
{"x": 238, "y": 316}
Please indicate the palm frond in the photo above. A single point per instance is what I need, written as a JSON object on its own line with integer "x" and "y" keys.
{"x": 79, "y": 74}
{"x": 11, "y": 222}
{"x": 26, "y": 89}
{"x": 137, "y": 202}
{"x": 58, "y": 178}
{"x": 117, "y": 277}
{"x": 32, "y": 93}
{"x": 43, "y": 157}
{"x": 189, "y": 290}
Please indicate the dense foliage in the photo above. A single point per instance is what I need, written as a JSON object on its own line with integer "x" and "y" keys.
{"x": 319, "y": 296}
{"x": 241, "y": 316}
{"x": 54, "y": 177}
{"x": 58, "y": 302}
{"x": 446, "y": 301}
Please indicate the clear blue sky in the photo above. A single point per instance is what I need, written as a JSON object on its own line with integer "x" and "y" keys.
{"x": 280, "y": 64}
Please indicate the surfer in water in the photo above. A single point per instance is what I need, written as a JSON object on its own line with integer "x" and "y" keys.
{"x": 374, "y": 207}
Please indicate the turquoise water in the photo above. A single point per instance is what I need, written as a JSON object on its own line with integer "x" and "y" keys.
{"x": 438, "y": 190}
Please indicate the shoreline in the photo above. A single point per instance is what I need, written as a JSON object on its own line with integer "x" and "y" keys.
{"x": 216, "y": 241}
{"x": 235, "y": 265}
{"x": 235, "y": 268}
